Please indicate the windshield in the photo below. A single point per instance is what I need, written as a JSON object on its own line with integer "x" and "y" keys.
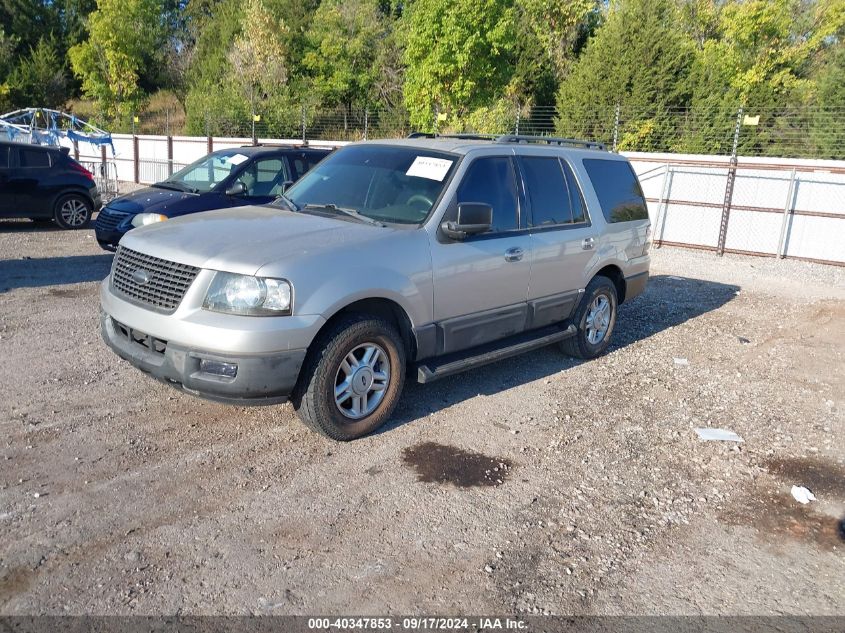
{"x": 386, "y": 183}
{"x": 208, "y": 172}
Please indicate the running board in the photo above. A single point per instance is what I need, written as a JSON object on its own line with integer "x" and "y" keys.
{"x": 437, "y": 368}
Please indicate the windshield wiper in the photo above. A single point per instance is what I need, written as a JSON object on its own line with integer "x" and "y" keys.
{"x": 352, "y": 213}
{"x": 290, "y": 204}
{"x": 168, "y": 185}
{"x": 176, "y": 186}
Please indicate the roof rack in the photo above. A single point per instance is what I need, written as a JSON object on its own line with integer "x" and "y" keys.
{"x": 462, "y": 137}
{"x": 272, "y": 144}
{"x": 550, "y": 140}
{"x": 514, "y": 138}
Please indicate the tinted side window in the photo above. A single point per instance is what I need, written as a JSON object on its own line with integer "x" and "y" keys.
{"x": 576, "y": 198}
{"x": 618, "y": 190}
{"x": 492, "y": 181}
{"x": 4, "y": 157}
{"x": 301, "y": 163}
{"x": 264, "y": 177}
{"x": 33, "y": 158}
{"x": 546, "y": 190}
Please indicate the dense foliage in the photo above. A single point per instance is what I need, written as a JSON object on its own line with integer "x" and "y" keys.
{"x": 468, "y": 65}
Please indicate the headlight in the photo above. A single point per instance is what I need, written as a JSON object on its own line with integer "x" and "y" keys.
{"x": 254, "y": 296}
{"x": 143, "y": 219}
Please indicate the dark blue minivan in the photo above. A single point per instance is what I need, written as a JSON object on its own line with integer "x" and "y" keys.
{"x": 225, "y": 178}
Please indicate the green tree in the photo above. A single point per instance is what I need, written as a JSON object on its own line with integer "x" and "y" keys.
{"x": 459, "y": 58}
{"x": 827, "y": 114}
{"x": 8, "y": 43}
{"x": 638, "y": 59}
{"x": 257, "y": 55}
{"x": 122, "y": 52}
{"x": 40, "y": 78}
{"x": 344, "y": 42}
{"x": 760, "y": 58}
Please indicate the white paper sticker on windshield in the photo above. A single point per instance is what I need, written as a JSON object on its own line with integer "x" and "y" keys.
{"x": 237, "y": 159}
{"x": 431, "y": 168}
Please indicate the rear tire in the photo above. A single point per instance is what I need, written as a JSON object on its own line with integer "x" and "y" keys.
{"x": 595, "y": 319}
{"x": 73, "y": 211}
{"x": 352, "y": 378}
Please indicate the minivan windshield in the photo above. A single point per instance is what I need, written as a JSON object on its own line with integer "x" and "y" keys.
{"x": 386, "y": 183}
{"x": 208, "y": 172}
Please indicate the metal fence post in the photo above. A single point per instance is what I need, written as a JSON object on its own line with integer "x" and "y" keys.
{"x": 302, "y": 122}
{"x": 729, "y": 188}
{"x": 366, "y": 121}
{"x": 787, "y": 212}
{"x": 663, "y": 207}
{"x": 136, "y": 159}
{"x": 169, "y": 155}
{"x": 518, "y": 115}
{"x": 616, "y": 128}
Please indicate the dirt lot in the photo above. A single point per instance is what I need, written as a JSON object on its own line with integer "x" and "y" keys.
{"x": 121, "y": 495}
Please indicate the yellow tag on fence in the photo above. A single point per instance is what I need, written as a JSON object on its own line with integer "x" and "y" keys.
{"x": 751, "y": 120}
{"x": 136, "y": 119}
{"x": 441, "y": 116}
{"x": 256, "y": 117}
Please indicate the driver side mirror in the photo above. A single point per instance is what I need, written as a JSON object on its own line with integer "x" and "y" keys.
{"x": 237, "y": 189}
{"x": 473, "y": 218}
{"x": 286, "y": 185}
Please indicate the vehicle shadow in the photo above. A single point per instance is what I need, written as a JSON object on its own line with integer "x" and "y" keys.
{"x": 667, "y": 302}
{"x": 53, "y": 271}
{"x": 23, "y": 225}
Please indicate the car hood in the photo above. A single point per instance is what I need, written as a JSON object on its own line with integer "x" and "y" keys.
{"x": 244, "y": 239}
{"x": 150, "y": 200}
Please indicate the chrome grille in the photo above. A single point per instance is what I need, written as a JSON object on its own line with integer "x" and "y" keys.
{"x": 166, "y": 282}
{"x": 108, "y": 219}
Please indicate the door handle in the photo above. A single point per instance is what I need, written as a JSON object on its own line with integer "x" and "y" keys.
{"x": 514, "y": 254}
{"x": 588, "y": 243}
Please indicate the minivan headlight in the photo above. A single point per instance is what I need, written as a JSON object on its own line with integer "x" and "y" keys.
{"x": 143, "y": 219}
{"x": 253, "y": 296}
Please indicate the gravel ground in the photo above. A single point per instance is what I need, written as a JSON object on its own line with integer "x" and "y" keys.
{"x": 536, "y": 485}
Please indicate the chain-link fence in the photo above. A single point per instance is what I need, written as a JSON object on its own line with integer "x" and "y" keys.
{"x": 805, "y": 132}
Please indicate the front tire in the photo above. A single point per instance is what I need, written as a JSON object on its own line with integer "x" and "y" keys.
{"x": 73, "y": 211}
{"x": 595, "y": 319}
{"x": 352, "y": 378}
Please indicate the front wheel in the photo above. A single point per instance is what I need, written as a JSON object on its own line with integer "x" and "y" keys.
{"x": 352, "y": 379}
{"x": 73, "y": 212}
{"x": 595, "y": 318}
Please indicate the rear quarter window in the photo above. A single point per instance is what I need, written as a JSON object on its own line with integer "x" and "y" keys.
{"x": 617, "y": 189}
{"x": 33, "y": 158}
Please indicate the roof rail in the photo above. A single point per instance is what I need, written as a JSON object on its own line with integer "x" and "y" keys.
{"x": 462, "y": 137}
{"x": 274, "y": 144}
{"x": 514, "y": 138}
{"x": 551, "y": 140}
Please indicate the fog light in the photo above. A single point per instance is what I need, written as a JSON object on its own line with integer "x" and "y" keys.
{"x": 215, "y": 367}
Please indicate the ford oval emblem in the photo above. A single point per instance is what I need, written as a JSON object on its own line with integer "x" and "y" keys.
{"x": 141, "y": 277}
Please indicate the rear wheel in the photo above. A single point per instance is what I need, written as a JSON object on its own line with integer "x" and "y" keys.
{"x": 73, "y": 211}
{"x": 352, "y": 378}
{"x": 595, "y": 318}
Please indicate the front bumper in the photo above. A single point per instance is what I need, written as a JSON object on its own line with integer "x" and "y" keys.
{"x": 260, "y": 378}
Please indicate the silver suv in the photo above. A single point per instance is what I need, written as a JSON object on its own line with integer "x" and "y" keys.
{"x": 429, "y": 254}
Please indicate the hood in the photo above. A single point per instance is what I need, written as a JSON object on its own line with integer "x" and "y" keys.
{"x": 244, "y": 239}
{"x": 151, "y": 200}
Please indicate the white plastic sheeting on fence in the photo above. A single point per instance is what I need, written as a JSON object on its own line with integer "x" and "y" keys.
{"x": 779, "y": 207}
